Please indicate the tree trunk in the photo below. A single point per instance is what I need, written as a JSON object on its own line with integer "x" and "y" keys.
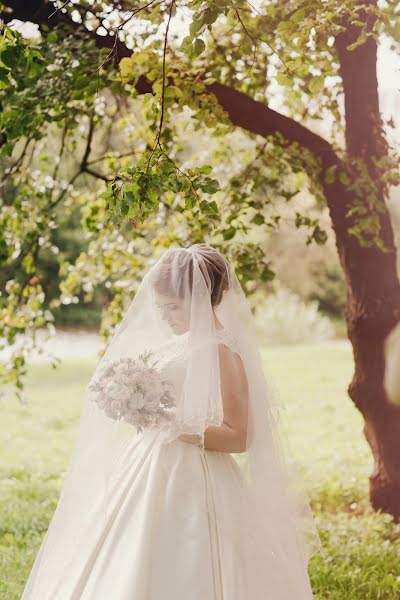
{"x": 373, "y": 289}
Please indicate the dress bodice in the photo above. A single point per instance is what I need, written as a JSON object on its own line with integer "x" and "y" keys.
{"x": 172, "y": 357}
{"x": 228, "y": 339}
{"x": 171, "y": 360}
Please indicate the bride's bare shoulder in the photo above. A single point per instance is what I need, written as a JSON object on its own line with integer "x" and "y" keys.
{"x": 232, "y": 369}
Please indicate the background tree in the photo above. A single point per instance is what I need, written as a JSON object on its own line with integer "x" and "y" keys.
{"x": 107, "y": 62}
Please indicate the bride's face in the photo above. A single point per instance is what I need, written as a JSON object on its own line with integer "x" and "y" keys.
{"x": 174, "y": 311}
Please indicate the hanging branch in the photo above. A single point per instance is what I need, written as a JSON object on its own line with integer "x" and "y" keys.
{"x": 157, "y": 141}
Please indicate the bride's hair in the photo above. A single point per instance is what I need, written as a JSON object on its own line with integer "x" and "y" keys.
{"x": 174, "y": 276}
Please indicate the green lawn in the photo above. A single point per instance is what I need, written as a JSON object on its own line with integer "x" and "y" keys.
{"x": 360, "y": 558}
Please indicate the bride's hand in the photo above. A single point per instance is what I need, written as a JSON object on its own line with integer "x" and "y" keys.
{"x": 190, "y": 438}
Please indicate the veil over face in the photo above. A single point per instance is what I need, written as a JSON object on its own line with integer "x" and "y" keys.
{"x": 161, "y": 376}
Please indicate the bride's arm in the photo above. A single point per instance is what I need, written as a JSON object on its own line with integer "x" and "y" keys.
{"x": 231, "y": 435}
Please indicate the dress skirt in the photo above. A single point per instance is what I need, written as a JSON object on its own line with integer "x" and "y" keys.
{"x": 161, "y": 536}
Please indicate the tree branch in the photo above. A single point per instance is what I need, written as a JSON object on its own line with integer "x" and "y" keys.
{"x": 256, "y": 117}
{"x": 245, "y": 112}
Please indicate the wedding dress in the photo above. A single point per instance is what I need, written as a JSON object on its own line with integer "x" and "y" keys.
{"x": 175, "y": 521}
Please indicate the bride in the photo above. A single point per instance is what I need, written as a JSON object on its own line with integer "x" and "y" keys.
{"x": 179, "y": 487}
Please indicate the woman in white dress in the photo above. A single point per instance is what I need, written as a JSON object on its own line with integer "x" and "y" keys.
{"x": 179, "y": 487}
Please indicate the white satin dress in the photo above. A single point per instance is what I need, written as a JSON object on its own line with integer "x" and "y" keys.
{"x": 162, "y": 539}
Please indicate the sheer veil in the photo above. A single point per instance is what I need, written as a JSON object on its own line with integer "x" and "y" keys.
{"x": 159, "y": 378}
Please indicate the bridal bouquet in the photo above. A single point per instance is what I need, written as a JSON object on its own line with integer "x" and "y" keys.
{"x": 133, "y": 389}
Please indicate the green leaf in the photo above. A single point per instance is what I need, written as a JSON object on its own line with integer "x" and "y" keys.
{"x": 229, "y": 233}
{"x": 126, "y": 68}
{"x": 267, "y": 274}
{"x": 198, "y": 46}
{"x": 213, "y": 207}
{"x": 190, "y": 201}
{"x": 12, "y": 56}
{"x": 210, "y": 15}
{"x": 316, "y": 84}
{"x": 153, "y": 194}
{"x": 4, "y": 75}
{"x": 195, "y": 27}
{"x": 147, "y": 97}
{"x": 186, "y": 43}
{"x": 52, "y": 37}
{"x": 173, "y": 91}
{"x": 283, "y": 79}
{"x": 319, "y": 235}
{"x": 258, "y": 219}
{"x": 206, "y": 169}
{"x": 209, "y": 208}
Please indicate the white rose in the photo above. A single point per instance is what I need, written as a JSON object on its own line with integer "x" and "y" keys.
{"x": 124, "y": 393}
{"x": 153, "y": 386}
{"x": 136, "y": 400}
{"x": 141, "y": 379}
{"x": 116, "y": 407}
{"x": 112, "y": 390}
{"x": 152, "y": 402}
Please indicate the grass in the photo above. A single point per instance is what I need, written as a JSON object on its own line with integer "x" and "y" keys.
{"x": 360, "y": 555}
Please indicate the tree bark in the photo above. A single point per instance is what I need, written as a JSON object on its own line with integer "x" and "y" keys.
{"x": 372, "y": 286}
